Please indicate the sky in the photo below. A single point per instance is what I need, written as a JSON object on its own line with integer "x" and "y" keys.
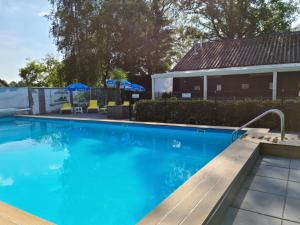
{"x": 24, "y": 33}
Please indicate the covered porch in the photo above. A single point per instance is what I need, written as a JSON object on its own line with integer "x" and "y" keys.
{"x": 267, "y": 81}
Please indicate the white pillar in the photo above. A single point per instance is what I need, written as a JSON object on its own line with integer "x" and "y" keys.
{"x": 205, "y": 87}
{"x": 274, "y": 86}
{"x": 153, "y": 88}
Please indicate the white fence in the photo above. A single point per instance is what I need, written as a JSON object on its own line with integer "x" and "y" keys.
{"x": 14, "y": 98}
{"x": 48, "y": 100}
{"x": 40, "y": 100}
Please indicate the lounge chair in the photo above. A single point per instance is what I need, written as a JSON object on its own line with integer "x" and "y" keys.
{"x": 126, "y": 103}
{"x": 93, "y": 106}
{"x": 66, "y": 108}
{"x": 109, "y": 104}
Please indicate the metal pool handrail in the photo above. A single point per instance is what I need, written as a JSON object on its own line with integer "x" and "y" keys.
{"x": 274, "y": 111}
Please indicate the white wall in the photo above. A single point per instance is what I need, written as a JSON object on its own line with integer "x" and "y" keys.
{"x": 18, "y": 98}
{"x": 14, "y": 98}
{"x": 35, "y": 101}
{"x": 163, "y": 85}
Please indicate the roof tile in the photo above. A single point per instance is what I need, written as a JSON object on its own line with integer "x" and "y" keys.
{"x": 263, "y": 50}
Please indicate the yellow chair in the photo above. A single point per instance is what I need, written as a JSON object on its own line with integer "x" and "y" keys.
{"x": 66, "y": 108}
{"x": 109, "y": 104}
{"x": 126, "y": 103}
{"x": 93, "y": 106}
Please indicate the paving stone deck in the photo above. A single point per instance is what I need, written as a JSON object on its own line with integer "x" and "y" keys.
{"x": 269, "y": 195}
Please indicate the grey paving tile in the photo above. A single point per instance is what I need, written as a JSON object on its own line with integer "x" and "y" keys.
{"x": 295, "y": 164}
{"x": 285, "y": 222}
{"x": 264, "y": 203}
{"x": 266, "y": 184}
{"x": 293, "y": 190}
{"x": 292, "y": 210}
{"x": 242, "y": 217}
{"x": 294, "y": 175}
{"x": 271, "y": 171}
{"x": 269, "y": 160}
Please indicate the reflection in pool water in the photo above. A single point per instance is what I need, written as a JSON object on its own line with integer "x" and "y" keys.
{"x": 82, "y": 173}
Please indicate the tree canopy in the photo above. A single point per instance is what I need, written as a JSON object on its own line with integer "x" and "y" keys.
{"x": 33, "y": 73}
{"x": 3, "y": 83}
{"x": 240, "y": 18}
{"x": 143, "y": 37}
{"x": 48, "y": 73}
{"x": 118, "y": 74}
{"x": 96, "y": 36}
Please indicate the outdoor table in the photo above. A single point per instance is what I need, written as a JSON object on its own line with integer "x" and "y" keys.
{"x": 78, "y": 109}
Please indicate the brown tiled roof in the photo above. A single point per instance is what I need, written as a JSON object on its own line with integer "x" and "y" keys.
{"x": 267, "y": 49}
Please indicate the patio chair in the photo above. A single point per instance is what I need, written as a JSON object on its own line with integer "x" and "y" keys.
{"x": 109, "y": 104}
{"x": 67, "y": 107}
{"x": 93, "y": 106}
{"x": 126, "y": 103}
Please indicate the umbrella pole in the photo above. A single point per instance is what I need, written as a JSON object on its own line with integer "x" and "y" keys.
{"x": 71, "y": 97}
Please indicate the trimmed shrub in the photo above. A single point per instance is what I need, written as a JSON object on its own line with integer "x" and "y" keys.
{"x": 225, "y": 113}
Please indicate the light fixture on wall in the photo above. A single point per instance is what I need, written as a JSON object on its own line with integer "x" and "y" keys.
{"x": 245, "y": 86}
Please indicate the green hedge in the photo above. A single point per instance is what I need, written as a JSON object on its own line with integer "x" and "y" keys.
{"x": 225, "y": 113}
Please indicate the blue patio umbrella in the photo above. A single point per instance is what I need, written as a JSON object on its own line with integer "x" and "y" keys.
{"x": 125, "y": 82}
{"x": 110, "y": 83}
{"x": 137, "y": 88}
{"x": 126, "y": 85}
{"x": 77, "y": 87}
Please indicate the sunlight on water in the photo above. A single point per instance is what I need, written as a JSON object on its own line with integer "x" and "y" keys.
{"x": 82, "y": 173}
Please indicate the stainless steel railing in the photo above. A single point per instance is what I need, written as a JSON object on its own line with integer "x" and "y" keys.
{"x": 271, "y": 111}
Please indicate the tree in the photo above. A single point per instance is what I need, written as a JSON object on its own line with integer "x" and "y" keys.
{"x": 149, "y": 36}
{"x": 15, "y": 84}
{"x": 118, "y": 75}
{"x": 3, "y": 83}
{"x": 185, "y": 34}
{"x": 96, "y": 36}
{"x": 160, "y": 38}
{"x": 33, "y": 74}
{"x": 75, "y": 38}
{"x": 48, "y": 73}
{"x": 240, "y": 18}
{"x": 55, "y": 72}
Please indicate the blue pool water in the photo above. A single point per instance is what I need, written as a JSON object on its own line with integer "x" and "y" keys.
{"x": 87, "y": 173}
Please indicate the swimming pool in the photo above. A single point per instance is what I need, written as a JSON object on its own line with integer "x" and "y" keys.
{"x": 89, "y": 173}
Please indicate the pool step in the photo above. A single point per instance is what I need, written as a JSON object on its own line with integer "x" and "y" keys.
{"x": 10, "y": 215}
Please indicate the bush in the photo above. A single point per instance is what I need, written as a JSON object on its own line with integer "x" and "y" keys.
{"x": 225, "y": 113}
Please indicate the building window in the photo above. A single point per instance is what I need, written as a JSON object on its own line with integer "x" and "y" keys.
{"x": 219, "y": 87}
{"x": 197, "y": 88}
{"x": 271, "y": 85}
{"x": 245, "y": 86}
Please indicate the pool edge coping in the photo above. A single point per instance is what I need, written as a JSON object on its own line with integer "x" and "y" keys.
{"x": 256, "y": 130}
{"x": 11, "y": 215}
